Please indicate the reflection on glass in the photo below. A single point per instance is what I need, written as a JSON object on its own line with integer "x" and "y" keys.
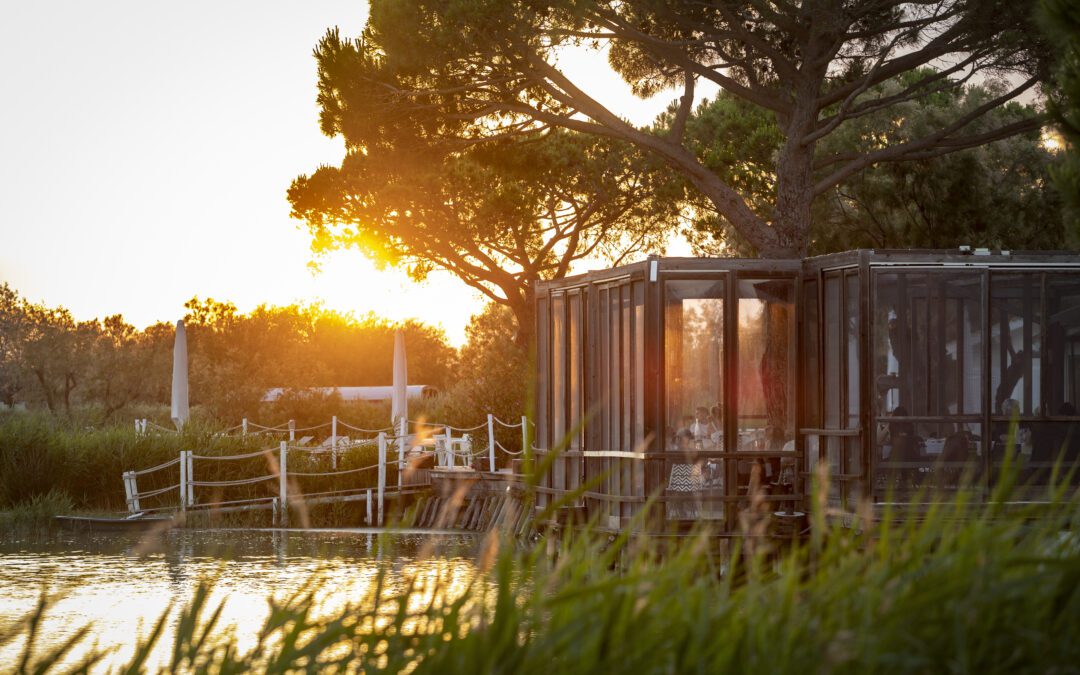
{"x": 928, "y": 344}
{"x": 694, "y": 349}
{"x": 1015, "y": 340}
{"x": 766, "y": 419}
{"x": 1062, "y": 344}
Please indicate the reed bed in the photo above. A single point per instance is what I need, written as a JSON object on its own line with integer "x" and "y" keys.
{"x": 81, "y": 467}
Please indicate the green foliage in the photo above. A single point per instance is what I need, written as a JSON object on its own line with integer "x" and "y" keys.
{"x": 1060, "y": 21}
{"x": 997, "y": 195}
{"x": 962, "y": 589}
{"x": 455, "y": 75}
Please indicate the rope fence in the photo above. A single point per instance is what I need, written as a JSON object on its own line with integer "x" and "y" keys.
{"x": 449, "y": 447}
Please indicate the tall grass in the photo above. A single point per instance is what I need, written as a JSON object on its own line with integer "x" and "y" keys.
{"x": 964, "y": 588}
{"x": 45, "y": 455}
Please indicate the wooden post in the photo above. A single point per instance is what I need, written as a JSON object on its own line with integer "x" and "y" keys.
{"x": 131, "y": 492}
{"x": 292, "y": 431}
{"x": 491, "y": 442}
{"x": 136, "y": 425}
{"x": 183, "y": 482}
{"x": 403, "y": 431}
{"x": 127, "y": 492}
{"x": 524, "y": 434}
{"x": 382, "y": 474}
{"x": 190, "y": 478}
{"x": 368, "y": 521}
{"x": 333, "y": 443}
{"x": 274, "y": 511}
{"x": 243, "y": 427}
{"x": 283, "y": 481}
{"x": 449, "y": 447}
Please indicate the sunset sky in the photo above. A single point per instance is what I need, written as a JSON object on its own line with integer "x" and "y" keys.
{"x": 145, "y": 151}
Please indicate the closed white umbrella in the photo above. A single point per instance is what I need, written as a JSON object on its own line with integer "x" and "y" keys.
{"x": 399, "y": 403}
{"x": 180, "y": 411}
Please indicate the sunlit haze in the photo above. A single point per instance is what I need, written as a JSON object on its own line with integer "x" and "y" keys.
{"x": 145, "y": 151}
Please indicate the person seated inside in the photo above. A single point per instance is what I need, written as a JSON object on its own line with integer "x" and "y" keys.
{"x": 901, "y": 436}
{"x": 704, "y": 428}
{"x": 684, "y": 437}
{"x": 717, "y": 425}
{"x": 1001, "y": 430}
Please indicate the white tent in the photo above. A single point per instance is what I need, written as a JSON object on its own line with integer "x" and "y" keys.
{"x": 399, "y": 402}
{"x": 180, "y": 411}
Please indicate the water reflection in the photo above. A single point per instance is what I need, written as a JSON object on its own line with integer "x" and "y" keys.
{"x": 123, "y": 583}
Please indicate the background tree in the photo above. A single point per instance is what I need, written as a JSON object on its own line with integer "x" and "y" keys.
{"x": 467, "y": 72}
{"x": 1060, "y": 20}
{"x": 499, "y": 216}
{"x": 12, "y": 320}
{"x": 998, "y": 195}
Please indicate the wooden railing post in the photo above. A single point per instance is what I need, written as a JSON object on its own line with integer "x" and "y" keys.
{"x": 524, "y": 434}
{"x": 183, "y": 481}
{"x": 131, "y": 492}
{"x": 283, "y": 482}
{"x": 403, "y": 432}
{"x": 191, "y": 478}
{"x": 292, "y": 431}
{"x": 368, "y": 521}
{"x": 243, "y": 427}
{"x": 491, "y": 442}
{"x": 382, "y": 474}
{"x": 333, "y": 442}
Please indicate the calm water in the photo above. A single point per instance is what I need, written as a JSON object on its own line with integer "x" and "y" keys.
{"x": 121, "y": 583}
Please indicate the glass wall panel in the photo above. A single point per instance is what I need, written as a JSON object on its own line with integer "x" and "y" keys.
{"x": 576, "y": 380}
{"x": 928, "y": 355}
{"x": 851, "y": 330}
{"x": 558, "y": 369}
{"x": 603, "y": 370}
{"x": 1016, "y": 334}
{"x": 627, "y": 374}
{"x": 639, "y": 366}
{"x": 834, "y": 324}
{"x": 766, "y": 411}
{"x": 1062, "y": 389}
{"x": 694, "y": 364}
{"x": 811, "y": 374}
{"x": 614, "y": 370}
{"x": 543, "y": 364}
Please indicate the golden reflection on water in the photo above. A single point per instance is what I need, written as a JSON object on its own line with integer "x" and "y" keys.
{"x": 121, "y": 588}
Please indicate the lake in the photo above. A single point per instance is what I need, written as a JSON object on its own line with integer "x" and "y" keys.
{"x": 121, "y": 583}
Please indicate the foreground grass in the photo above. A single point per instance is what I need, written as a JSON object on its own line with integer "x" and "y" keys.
{"x": 964, "y": 589}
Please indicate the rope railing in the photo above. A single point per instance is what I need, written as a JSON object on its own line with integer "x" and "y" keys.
{"x": 159, "y": 467}
{"x": 225, "y": 458}
{"x": 508, "y": 451}
{"x": 362, "y": 430}
{"x": 155, "y": 493}
{"x": 231, "y": 483}
{"x": 280, "y": 427}
{"x": 450, "y": 445}
{"x": 341, "y": 472}
{"x": 312, "y": 428}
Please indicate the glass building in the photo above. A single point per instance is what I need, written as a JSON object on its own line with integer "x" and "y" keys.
{"x": 696, "y": 384}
